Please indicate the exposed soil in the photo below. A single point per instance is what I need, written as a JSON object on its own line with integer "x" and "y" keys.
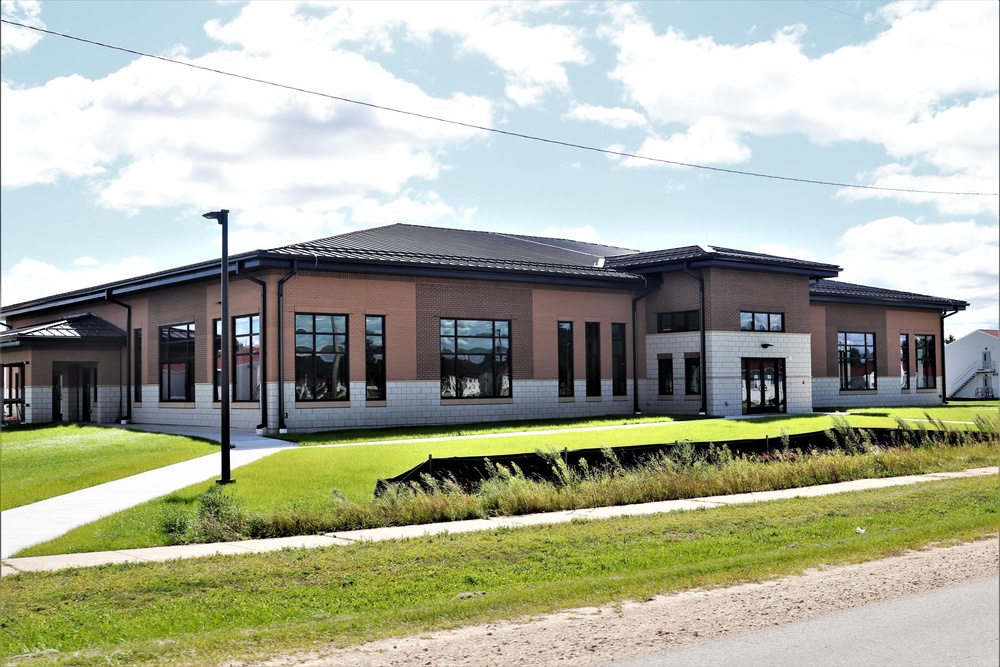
{"x": 594, "y": 636}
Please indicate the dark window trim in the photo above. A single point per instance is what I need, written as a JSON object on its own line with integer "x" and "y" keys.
{"x": 665, "y": 375}
{"x": 927, "y": 361}
{"x": 177, "y": 351}
{"x": 592, "y": 350}
{"x": 237, "y": 389}
{"x": 847, "y": 366}
{"x": 314, "y": 392}
{"x": 692, "y": 376}
{"x": 375, "y": 374}
{"x": 565, "y": 359}
{"x": 904, "y": 361}
{"x": 619, "y": 364}
{"x": 678, "y": 321}
{"x": 774, "y": 322}
{"x": 451, "y": 355}
{"x": 137, "y": 365}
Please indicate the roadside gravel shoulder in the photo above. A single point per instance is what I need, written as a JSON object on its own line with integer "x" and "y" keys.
{"x": 594, "y": 636}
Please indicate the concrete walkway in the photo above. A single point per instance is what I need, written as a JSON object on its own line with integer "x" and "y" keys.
{"x": 51, "y": 563}
{"x": 24, "y": 526}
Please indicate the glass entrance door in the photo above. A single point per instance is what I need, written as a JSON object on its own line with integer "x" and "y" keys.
{"x": 763, "y": 385}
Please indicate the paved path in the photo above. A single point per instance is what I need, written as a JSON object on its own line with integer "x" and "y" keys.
{"x": 42, "y": 521}
{"x": 49, "y": 563}
{"x": 951, "y": 626}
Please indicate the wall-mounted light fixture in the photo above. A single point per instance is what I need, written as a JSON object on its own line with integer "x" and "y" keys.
{"x": 766, "y": 345}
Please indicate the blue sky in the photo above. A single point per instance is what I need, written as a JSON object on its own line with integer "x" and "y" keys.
{"x": 109, "y": 159}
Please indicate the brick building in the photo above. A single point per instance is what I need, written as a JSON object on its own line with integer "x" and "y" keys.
{"x": 404, "y": 325}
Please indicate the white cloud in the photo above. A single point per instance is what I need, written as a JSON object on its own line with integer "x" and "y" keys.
{"x": 409, "y": 207}
{"x": 929, "y": 102}
{"x": 14, "y": 39}
{"x": 85, "y": 261}
{"x": 956, "y": 260}
{"x": 616, "y": 117}
{"x": 32, "y": 278}
{"x": 707, "y": 141}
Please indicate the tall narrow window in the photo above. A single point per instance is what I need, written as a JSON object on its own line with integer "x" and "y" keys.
{"x": 692, "y": 376}
{"x": 177, "y": 362}
{"x": 592, "y": 334}
{"x": 321, "y": 357}
{"x": 665, "y": 376}
{"x": 856, "y": 358}
{"x": 375, "y": 357}
{"x": 619, "y": 381}
{"x": 475, "y": 359}
{"x": 137, "y": 365}
{"x": 245, "y": 362}
{"x": 904, "y": 361}
{"x": 565, "y": 359}
{"x": 926, "y": 366}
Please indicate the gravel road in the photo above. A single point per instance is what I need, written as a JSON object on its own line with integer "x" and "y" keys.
{"x": 594, "y": 636}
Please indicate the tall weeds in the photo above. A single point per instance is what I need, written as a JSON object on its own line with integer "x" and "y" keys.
{"x": 683, "y": 471}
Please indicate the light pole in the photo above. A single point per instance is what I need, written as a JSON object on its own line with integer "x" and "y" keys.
{"x": 223, "y": 218}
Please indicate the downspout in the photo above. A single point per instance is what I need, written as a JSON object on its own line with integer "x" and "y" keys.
{"x": 703, "y": 366}
{"x": 263, "y": 346}
{"x": 944, "y": 376}
{"x": 281, "y": 345}
{"x": 127, "y": 396}
{"x": 635, "y": 346}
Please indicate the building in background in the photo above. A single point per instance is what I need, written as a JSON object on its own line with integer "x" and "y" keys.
{"x": 972, "y": 365}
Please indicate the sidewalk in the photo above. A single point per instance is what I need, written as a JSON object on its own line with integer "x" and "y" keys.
{"x": 51, "y": 563}
{"x": 47, "y": 519}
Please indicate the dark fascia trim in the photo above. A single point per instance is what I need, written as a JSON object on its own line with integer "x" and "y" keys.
{"x": 93, "y": 342}
{"x": 811, "y": 272}
{"x": 928, "y": 304}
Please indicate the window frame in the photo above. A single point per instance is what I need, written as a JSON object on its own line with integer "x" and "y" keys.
{"x": 137, "y": 365}
{"x": 455, "y": 351}
{"x": 846, "y": 365}
{"x": 692, "y": 376}
{"x": 678, "y": 321}
{"x": 904, "y": 361}
{"x": 592, "y": 352}
{"x": 773, "y": 322}
{"x": 619, "y": 356}
{"x": 177, "y": 351}
{"x": 339, "y": 389}
{"x": 564, "y": 344}
{"x": 234, "y": 347}
{"x": 375, "y": 374}
{"x": 665, "y": 376}
{"x": 926, "y": 370}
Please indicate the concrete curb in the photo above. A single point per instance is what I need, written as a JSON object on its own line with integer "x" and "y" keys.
{"x": 11, "y": 566}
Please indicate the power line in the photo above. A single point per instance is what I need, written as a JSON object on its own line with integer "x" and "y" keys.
{"x": 494, "y": 130}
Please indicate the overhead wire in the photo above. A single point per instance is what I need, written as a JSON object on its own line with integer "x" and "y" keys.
{"x": 493, "y": 130}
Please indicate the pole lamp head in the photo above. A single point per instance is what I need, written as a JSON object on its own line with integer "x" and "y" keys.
{"x": 216, "y": 215}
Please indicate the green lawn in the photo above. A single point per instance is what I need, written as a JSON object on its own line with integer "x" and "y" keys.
{"x": 40, "y": 463}
{"x": 213, "y": 610}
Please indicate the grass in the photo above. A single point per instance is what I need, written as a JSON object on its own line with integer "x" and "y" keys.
{"x": 300, "y": 491}
{"x": 213, "y": 610}
{"x": 39, "y": 463}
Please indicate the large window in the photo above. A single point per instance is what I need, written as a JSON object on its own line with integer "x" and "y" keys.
{"x": 565, "y": 359}
{"x": 904, "y": 361}
{"x": 475, "y": 359}
{"x": 375, "y": 357}
{"x": 592, "y": 344}
{"x": 762, "y": 321}
{"x": 692, "y": 375}
{"x": 665, "y": 376}
{"x": 137, "y": 365}
{"x": 682, "y": 320}
{"x": 245, "y": 363}
{"x": 177, "y": 362}
{"x": 856, "y": 357}
{"x": 619, "y": 382}
{"x": 321, "y": 358}
{"x": 926, "y": 366}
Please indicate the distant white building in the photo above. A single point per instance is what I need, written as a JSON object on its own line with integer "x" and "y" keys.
{"x": 971, "y": 365}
